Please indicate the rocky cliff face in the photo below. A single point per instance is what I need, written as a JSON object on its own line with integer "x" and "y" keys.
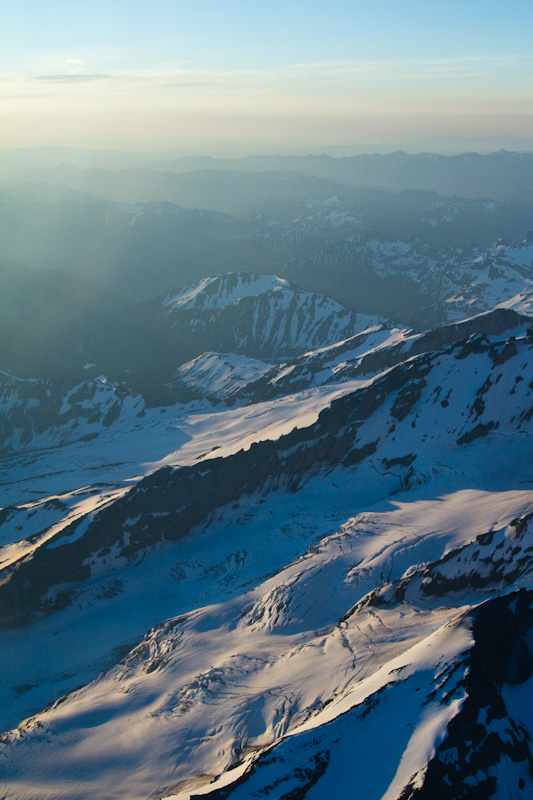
{"x": 46, "y": 413}
{"x": 401, "y": 423}
{"x": 258, "y": 316}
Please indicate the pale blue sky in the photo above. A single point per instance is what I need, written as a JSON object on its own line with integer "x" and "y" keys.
{"x": 181, "y": 72}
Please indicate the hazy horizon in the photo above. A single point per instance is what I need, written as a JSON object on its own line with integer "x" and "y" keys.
{"x": 235, "y": 150}
{"x": 238, "y": 78}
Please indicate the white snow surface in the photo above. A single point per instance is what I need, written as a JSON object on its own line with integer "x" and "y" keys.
{"x": 261, "y": 315}
{"x": 220, "y": 375}
{"x": 271, "y": 633}
{"x": 225, "y": 290}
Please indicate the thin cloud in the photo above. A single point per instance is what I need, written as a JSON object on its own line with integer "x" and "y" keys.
{"x": 318, "y": 76}
{"x": 67, "y": 78}
{"x": 466, "y": 66}
{"x": 345, "y": 73}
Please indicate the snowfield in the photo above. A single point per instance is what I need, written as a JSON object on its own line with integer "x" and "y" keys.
{"x": 313, "y": 578}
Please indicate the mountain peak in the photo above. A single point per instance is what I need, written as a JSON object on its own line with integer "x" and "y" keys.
{"x": 224, "y": 290}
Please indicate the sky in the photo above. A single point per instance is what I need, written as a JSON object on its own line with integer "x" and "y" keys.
{"x": 250, "y": 76}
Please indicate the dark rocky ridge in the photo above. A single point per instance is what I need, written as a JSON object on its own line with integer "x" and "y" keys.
{"x": 279, "y": 322}
{"x": 462, "y": 767}
{"x": 304, "y": 369}
{"x": 62, "y": 408}
{"x": 494, "y": 560}
{"x": 478, "y": 738}
{"x": 167, "y": 504}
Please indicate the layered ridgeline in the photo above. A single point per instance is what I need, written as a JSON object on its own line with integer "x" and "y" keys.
{"x": 239, "y": 337}
{"x": 257, "y": 316}
{"x": 503, "y": 175}
{"x": 239, "y": 599}
{"x": 40, "y": 413}
{"x": 85, "y": 381}
{"x": 415, "y": 256}
{"x": 378, "y": 347}
{"x": 56, "y": 325}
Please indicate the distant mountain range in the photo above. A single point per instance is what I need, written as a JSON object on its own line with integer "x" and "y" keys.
{"x": 502, "y": 176}
{"x": 55, "y": 324}
{"x": 328, "y": 245}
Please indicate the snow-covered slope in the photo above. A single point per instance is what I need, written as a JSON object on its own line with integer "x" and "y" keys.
{"x": 224, "y": 290}
{"x": 46, "y": 413}
{"x": 501, "y": 277}
{"x": 311, "y": 571}
{"x": 239, "y": 599}
{"x": 259, "y": 316}
{"x": 219, "y": 375}
{"x": 411, "y": 280}
{"x": 458, "y": 283}
{"x": 372, "y": 351}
